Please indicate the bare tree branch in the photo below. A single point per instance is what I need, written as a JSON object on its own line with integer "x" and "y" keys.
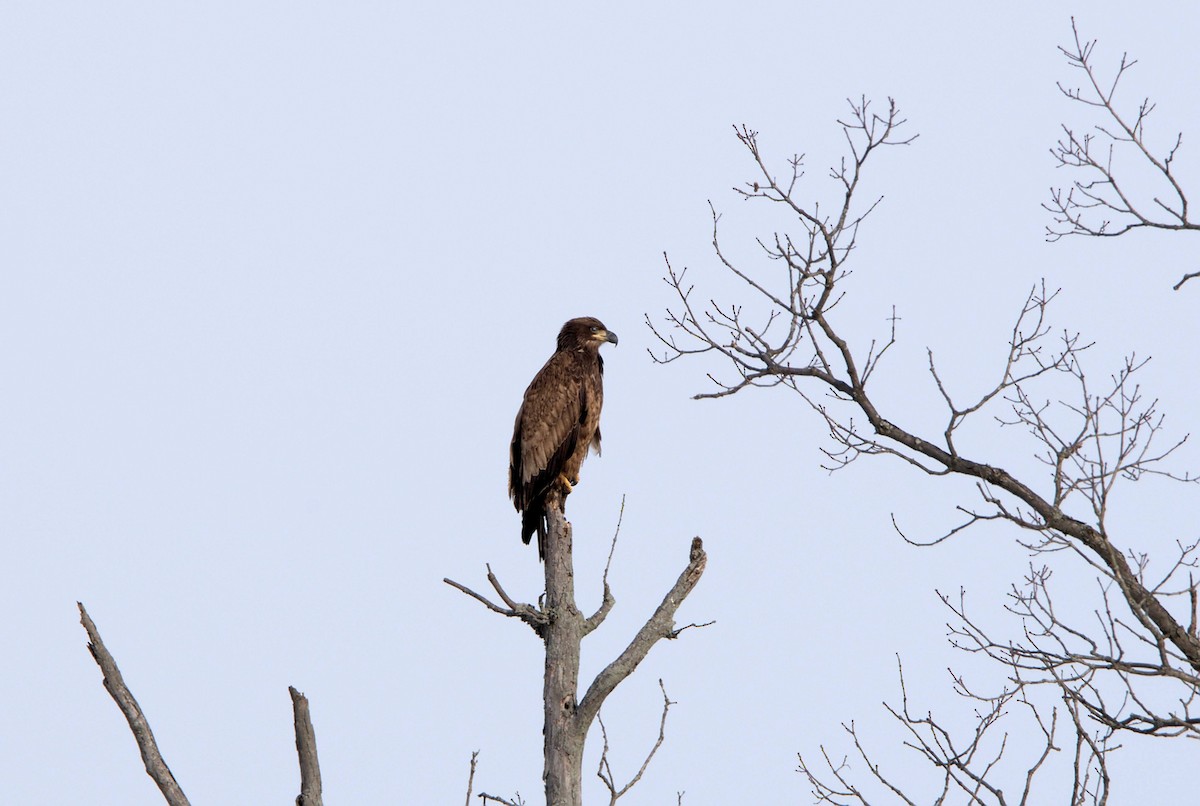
{"x": 306, "y": 748}
{"x": 1101, "y": 202}
{"x": 471, "y": 776}
{"x": 1107, "y": 437}
{"x": 606, "y": 604}
{"x": 1184, "y": 279}
{"x": 156, "y": 766}
{"x": 1138, "y": 672}
{"x": 966, "y": 762}
{"x": 484, "y": 797}
{"x": 534, "y": 617}
{"x": 562, "y": 627}
{"x": 660, "y": 625}
{"x": 605, "y": 770}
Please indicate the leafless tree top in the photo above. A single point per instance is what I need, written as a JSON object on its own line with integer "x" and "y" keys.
{"x": 1112, "y": 161}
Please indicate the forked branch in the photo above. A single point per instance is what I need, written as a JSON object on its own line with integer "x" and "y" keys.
{"x": 964, "y": 763}
{"x": 1106, "y": 199}
{"x": 660, "y": 625}
{"x": 1091, "y": 438}
{"x": 605, "y": 772}
{"x": 1091, "y": 443}
{"x": 562, "y": 627}
{"x": 531, "y": 615}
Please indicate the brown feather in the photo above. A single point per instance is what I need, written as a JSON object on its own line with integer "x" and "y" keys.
{"x": 558, "y": 422}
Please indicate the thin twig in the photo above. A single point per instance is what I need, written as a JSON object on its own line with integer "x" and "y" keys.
{"x": 534, "y": 617}
{"x": 608, "y": 600}
{"x": 605, "y": 771}
{"x": 471, "y": 776}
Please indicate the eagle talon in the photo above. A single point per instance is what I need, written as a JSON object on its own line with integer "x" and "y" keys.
{"x": 567, "y": 486}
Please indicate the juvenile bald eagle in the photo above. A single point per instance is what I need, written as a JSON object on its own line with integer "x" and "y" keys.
{"x": 558, "y": 422}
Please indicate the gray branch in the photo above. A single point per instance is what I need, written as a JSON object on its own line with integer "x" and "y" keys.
{"x": 306, "y": 748}
{"x": 563, "y": 627}
{"x": 156, "y": 767}
{"x": 661, "y": 625}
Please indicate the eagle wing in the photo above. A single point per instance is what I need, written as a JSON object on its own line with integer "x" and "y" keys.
{"x": 547, "y": 429}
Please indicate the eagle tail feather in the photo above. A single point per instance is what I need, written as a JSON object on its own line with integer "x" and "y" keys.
{"x": 533, "y": 519}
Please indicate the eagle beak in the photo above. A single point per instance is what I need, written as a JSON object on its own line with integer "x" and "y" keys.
{"x": 610, "y": 337}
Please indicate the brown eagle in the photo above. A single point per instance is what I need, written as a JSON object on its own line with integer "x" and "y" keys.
{"x": 558, "y": 422}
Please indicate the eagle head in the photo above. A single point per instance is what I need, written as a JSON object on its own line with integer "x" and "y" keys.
{"x": 586, "y": 331}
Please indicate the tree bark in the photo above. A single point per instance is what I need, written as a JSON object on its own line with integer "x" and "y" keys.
{"x": 562, "y": 627}
{"x": 567, "y": 719}
{"x": 156, "y": 766}
{"x": 563, "y": 748}
{"x": 306, "y": 749}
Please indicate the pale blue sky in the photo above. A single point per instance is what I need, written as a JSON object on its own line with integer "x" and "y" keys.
{"x": 275, "y": 276}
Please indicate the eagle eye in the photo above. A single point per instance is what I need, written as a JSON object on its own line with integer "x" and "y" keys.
{"x": 594, "y": 329}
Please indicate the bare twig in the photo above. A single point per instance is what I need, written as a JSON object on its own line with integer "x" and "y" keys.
{"x": 605, "y": 770}
{"x": 156, "y": 766}
{"x": 660, "y": 625}
{"x": 966, "y": 762}
{"x": 1184, "y": 279}
{"x": 533, "y": 616}
{"x": 1102, "y": 203}
{"x": 675, "y": 633}
{"x": 606, "y": 604}
{"x": 471, "y": 776}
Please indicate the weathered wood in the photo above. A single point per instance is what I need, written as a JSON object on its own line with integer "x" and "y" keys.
{"x": 562, "y": 627}
{"x": 306, "y": 749}
{"x": 156, "y": 767}
{"x": 563, "y": 771}
{"x": 567, "y": 719}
